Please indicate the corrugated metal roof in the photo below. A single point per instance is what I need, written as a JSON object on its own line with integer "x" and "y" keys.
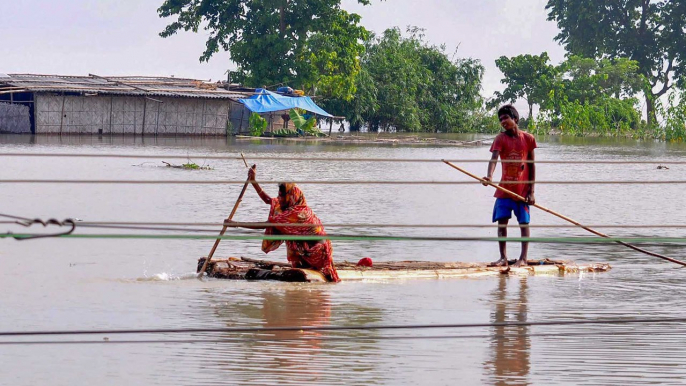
{"x": 119, "y": 85}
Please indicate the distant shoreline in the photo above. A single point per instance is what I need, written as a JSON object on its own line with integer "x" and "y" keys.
{"x": 376, "y": 140}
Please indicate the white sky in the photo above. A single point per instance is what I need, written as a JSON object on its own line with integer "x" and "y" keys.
{"x": 120, "y": 37}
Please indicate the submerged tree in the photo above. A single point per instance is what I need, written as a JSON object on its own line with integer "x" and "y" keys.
{"x": 528, "y": 77}
{"x": 589, "y": 80}
{"x": 406, "y": 84}
{"x": 311, "y": 44}
{"x": 650, "y": 32}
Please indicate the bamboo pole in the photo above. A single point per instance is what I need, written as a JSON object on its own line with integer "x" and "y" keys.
{"x": 62, "y": 113}
{"x": 635, "y": 248}
{"x": 145, "y": 108}
{"x": 233, "y": 211}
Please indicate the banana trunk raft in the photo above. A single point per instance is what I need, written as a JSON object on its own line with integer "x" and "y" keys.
{"x": 244, "y": 268}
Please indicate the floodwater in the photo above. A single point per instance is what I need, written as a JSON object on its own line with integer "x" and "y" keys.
{"x": 87, "y": 284}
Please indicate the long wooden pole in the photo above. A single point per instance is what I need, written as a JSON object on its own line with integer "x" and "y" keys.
{"x": 635, "y": 248}
{"x": 233, "y": 211}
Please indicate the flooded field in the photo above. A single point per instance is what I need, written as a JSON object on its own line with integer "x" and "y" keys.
{"x": 100, "y": 283}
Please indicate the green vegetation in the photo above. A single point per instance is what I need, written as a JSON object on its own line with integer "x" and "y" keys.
{"x": 193, "y": 165}
{"x": 618, "y": 52}
{"x": 406, "y": 84}
{"x": 256, "y": 125}
{"x": 649, "y": 32}
{"x": 581, "y": 96}
{"x": 674, "y": 117}
{"x": 314, "y": 45}
{"x": 527, "y": 77}
{"x": 305, "y": 126}
{"x": 190, "y": 165}
{"x": 284, "y": 133}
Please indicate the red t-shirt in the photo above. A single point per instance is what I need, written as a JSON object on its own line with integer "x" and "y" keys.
{"x": 514, "y": 148}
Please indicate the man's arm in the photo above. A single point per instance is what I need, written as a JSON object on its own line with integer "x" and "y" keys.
{"x": 530, "y": 199}
{"x": 491, "y": 166}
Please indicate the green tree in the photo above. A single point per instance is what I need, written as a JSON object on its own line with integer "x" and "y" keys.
{"x": 527, "y": 77}
{"x": 406, "y": 84}
{"x": 309, "y": 44}
{"x": 594, "y": 96}
{"x": 587, "y": 80}
{"x": 650, "y": 32}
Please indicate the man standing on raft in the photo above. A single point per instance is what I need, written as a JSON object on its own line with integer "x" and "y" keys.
{"x": 515, "y": 148}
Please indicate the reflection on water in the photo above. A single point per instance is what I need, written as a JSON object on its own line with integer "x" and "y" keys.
{"x": 511, "y": 346}
{"x": 300, "y": 357}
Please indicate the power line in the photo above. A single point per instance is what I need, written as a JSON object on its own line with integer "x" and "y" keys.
{"x": 145, "y": 225}
{"x": 332, "y": 159}
{"x": 517, "y": 334}
{"x": 333, "y": 237}
{"x": 332, "y": 182}
{"x": 612, "y": 321}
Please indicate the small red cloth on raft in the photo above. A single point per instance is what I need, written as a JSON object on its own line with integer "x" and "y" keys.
{"x": 364, "y": 262}
{"x": 316, "y": 255}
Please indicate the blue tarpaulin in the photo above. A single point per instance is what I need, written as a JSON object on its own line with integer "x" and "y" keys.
{"x": 266, "y": 101}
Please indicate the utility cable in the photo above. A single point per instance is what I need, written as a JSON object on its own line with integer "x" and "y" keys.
{"x": 333, "y": 237}
{"x": 332, "y": 182}
{"x": 513, "y": 335}
{"x": 609, "y": 321}
{"x": 213, "y": 225}
{"x": 332, "y": 159}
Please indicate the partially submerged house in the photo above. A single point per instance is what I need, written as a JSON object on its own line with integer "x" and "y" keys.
{"x": 54, "y": 104}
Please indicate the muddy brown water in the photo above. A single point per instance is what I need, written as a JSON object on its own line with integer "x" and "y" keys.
{"x": 83, "y": 284}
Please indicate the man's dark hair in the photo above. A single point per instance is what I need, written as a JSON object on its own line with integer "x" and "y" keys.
{"x": 509, "y": 110}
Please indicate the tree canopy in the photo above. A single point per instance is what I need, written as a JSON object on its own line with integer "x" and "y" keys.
{"x": 309, "y": 44}
{"x": 406, "y": 84}
{"x": 528, "y": 77}
{"x": 650, "y": 32}
{"x": 578, "y": 96}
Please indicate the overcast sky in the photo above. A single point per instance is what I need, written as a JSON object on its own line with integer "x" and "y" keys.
{"x": 120, "y": 37}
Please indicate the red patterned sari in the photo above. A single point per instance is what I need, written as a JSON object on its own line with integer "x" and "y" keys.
{"x": 317, "y": 255}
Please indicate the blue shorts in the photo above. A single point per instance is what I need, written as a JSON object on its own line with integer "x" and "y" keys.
{"x": 504, "y": 207}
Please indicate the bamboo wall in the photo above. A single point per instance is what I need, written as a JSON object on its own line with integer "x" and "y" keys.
{"x": 129, "y": 115}
{"x": 14, "y": 118}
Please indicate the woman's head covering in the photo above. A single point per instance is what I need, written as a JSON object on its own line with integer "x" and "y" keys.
{"x": 291, "y": 195}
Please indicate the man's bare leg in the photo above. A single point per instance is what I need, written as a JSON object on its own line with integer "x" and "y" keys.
{"x": 502, "y": 245}
{"x": 522, "y": 262}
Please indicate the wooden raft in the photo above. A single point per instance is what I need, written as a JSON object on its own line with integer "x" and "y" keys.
{"x": 243, "y": 268}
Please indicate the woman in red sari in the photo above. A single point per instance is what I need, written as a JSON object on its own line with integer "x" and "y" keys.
{"x": 290, "y": 207}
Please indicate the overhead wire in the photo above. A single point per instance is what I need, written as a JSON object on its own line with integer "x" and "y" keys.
{"x": 254, "y": 157}
{"x": 187, "y": 330}
{"x": 516, "y": 334}
{"x": 245, "y": 234}
{"x": 161, "y": 225}
{"x": 251, "y": 235}
{"x": 334, "y": 237}
{"x": 332, "y": 182}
